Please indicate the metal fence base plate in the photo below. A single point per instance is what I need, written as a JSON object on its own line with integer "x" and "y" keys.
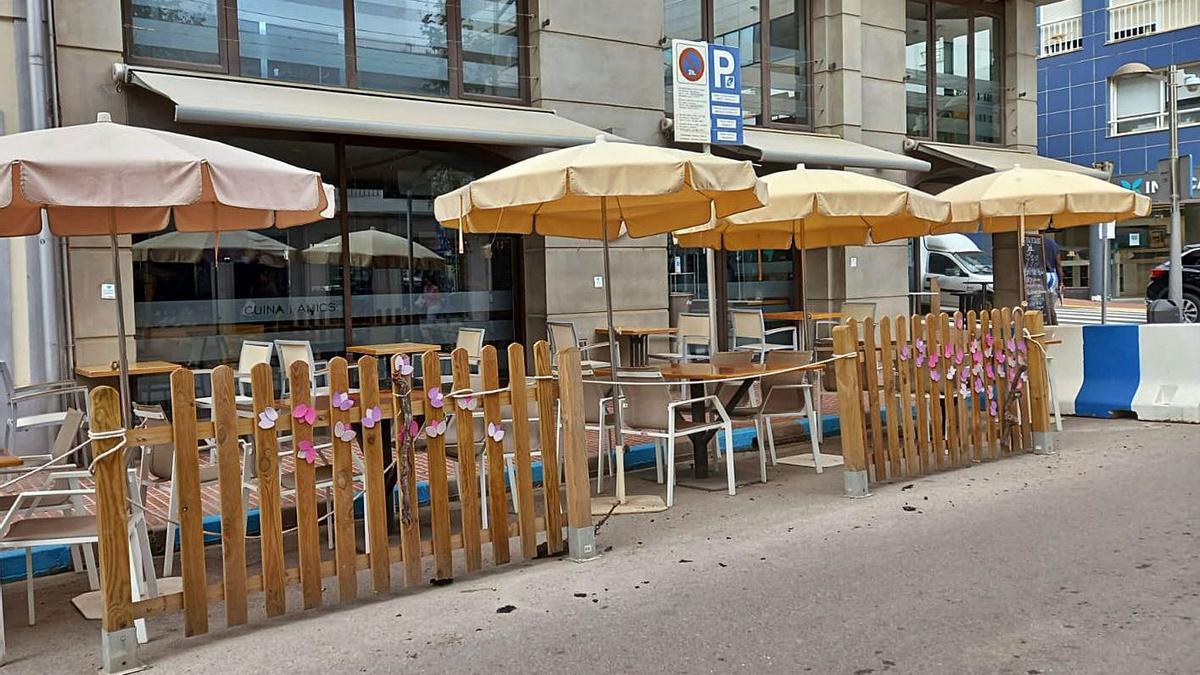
{"x": 1043, "y": 443}
{"x": 581, "y": 544}
{"x": 856, "y": 484}
{"x": 118, "y": 651}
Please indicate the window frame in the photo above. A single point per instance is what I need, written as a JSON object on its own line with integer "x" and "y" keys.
{"x": 229, "y": 50}
{"x": 1161, "y": 119}
{"x": 976, "y": 8}
{"x": 707, "y": 8}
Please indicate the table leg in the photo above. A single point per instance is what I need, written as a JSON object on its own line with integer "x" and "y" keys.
{"x": 700, "y": 439}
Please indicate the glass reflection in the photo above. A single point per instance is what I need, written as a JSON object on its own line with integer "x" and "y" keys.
{"x": 294, "y": 40}
{"x": 176, "y": 30}
{"x": 951, "y": 93}
{"x": 916, "y": 68}
{"x": 738, "y": 24}
{"x": 789, "y": 64}
{"x": 490, "y": 48}
{"x": 988, "y": 95}
{"x": 401, "y": 46}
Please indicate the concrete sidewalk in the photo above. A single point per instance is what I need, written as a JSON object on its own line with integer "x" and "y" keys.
{"x": 1083, "y": 562}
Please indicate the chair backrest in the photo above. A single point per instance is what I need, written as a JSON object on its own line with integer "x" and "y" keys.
{"x": 67, "y": 432}
{"x": 747, "y": 325}
{"x": 470, "y": 339}
{"x": 291, "y": 351}
{"x": 859, "y": 311}
{"x": 732, "y": 359}
{"x": 693, "y": 328}
{"x": 160, "y": 457}
{"x": 785, "y": 399}
{"x": 562, "y": 335}
{"x": 646, "y": 405}
{"x": 253, "y": 353}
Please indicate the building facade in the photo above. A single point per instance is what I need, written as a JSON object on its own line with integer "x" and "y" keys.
{"x": 397, "y": 101}
{"x": 1088, "y": 117}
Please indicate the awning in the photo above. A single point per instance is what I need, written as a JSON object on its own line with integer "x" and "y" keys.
{"x": 201, "y": 99}
{"x": 989, "y": 160}
{"x": 820, "y": 150}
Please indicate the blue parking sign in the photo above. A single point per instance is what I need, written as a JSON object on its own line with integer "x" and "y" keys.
{"x": 725, "y": 94}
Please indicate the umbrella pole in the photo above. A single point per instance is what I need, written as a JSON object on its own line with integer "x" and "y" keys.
{"x": 803, "y": 290}
{"x": 614, "y": 351}
{"x": 123, "y": 362}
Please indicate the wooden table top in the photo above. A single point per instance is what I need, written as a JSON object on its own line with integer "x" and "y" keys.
{"x": 634, "y": 330}
{"x": 9, "y": 461}
{"x": 135, "y": 368}
{"x": 394, "y": 348}
{"x": 707, "y": 371}
{"x": 797, "y": 315}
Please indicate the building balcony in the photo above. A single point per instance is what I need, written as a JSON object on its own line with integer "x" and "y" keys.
{"x": 1146, "y": 17}
{"x": 1060, "y": 37}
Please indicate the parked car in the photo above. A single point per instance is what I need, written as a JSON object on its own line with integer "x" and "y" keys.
{"x": 959, "y": 266}
{"x": 1157, "y": 288}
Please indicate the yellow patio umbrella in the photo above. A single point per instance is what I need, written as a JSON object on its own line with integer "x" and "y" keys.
{"x": 821, "y": 208}
{"x": 1019, "y": 199}
{"x": 110, "y": 179}
{"x": 591, "y": 191}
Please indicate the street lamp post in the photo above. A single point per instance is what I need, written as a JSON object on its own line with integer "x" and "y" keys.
{"x": 1175, "y": 273}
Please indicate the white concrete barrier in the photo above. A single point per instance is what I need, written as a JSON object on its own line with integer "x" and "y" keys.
{"x": 1066, "y": 365}
{"x": 1169, "y": 386}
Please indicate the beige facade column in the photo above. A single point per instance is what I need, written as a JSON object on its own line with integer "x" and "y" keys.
{"x": 89, "y": 42}
{"x": 598, "y": 63}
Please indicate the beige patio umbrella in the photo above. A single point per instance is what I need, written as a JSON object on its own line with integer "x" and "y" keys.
{"x": 112, "y": 179}
{"x": 189, "y": 248}
{"x": 591, "y": 191}
{"x": 374, "y": 248}
{"x": 1019, "y": 200}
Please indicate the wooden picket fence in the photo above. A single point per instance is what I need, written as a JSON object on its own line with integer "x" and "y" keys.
{"x": 436, "y": 535}
{"x": 940, "y": 391}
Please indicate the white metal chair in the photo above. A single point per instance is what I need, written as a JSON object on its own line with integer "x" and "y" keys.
{"x": 859, "y": 311}
{"x": 17, "y": 397}
{"x": 693, "y": 333}
{"x": 17, "y": 531}
{"x": 470, "y": 339}
{"x": 562, "y": 335}
{"x": 291, "y": 351}
{"x": 651, "y": 410}
{"x": 253, "y": 353}
{"x": 750, "y": 333}
{"x": 785, "y": 395}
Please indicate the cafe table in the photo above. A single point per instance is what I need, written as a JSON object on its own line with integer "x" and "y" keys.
{"x": 699, "y": 374}
{"x": 639, "y": 341}
{"x": 111, "y": 370}
{"x": 393, "y": 348}
{"x": 10, "y": 461}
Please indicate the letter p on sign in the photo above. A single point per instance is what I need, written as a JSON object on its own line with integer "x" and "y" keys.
{"x": 724, "y": 69}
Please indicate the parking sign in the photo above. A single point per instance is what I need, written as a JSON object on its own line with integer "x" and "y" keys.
{"x": 707, "y": 93}
{"x": 725, "y": 94}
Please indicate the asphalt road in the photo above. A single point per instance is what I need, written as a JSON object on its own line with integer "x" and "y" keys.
{"x": 1086, "y": 562}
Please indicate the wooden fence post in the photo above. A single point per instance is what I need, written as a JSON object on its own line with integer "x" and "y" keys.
{"x": 1039, "y": 395}
{"x": 854, "y": 471}
{"x": 581, "y": 538}
{"x": 118, "y": 639}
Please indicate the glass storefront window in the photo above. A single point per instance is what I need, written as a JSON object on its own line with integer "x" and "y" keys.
{"x": 176, "y": 30}
{"x": 788, "y": 67}
{"x": 760, "y": 279}
{"x": 951, "y": 93}
{"x": 294, "y": 40}
{"x": 988, "y": 94}
{"x": 402, "y": 46}
{"x": 490, "y": 45}
{"x": 963, "y": 71}
{"x": 737, "y": 23}
{"x": 916, "y": 69}
{"x": 408, "y": 282}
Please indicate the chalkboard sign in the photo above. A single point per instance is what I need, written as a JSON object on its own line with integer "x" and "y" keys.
{"x": 1033, "y": 263}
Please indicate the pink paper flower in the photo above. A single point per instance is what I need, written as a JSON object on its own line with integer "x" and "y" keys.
{"x": 403, "y": 364}
{"x": 904, "y": 352}
{"x": 495, "y": 431}
{"x": 306, "y": 451}
{"x": 436, "y": 399}
{"x": 920, "y": 344}
{"x": 435, "y": 428}
{"x": 934, "y": 375}
{"x": 304, "y": 413}
{"x": 344, "y": 432}
{"x": 371, "y": 417}
{"x": 341, "y": 400}
{"x": 267, "y": 418}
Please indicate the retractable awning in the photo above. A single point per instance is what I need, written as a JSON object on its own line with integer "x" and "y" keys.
{"x": 821, "y": 150}
{"x": 204, "y": 99}
{"x": 990, "y": 160}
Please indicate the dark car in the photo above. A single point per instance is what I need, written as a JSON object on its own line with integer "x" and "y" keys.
{"x": 1157, "y": 288}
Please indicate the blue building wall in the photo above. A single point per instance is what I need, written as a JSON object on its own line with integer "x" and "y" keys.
{"x": 1073, "y": 98}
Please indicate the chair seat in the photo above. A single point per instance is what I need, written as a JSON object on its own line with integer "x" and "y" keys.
{"x": 239, "y": 400}
{"x": 66, "y": 527}
{"x": 7, "y": 501}
{"x": 323, "y": 473}
{"x": 41, "y": 420}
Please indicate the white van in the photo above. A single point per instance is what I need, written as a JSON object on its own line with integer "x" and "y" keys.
{"x": 959, "y": 266}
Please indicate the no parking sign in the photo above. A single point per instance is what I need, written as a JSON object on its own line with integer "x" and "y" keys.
{"x": 707, "y": 93}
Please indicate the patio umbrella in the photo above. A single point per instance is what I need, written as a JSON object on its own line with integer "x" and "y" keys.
{"x": 107, "y": 179}
{"x": 1019, "y": 199}
{"x": 189, "y": 248}
{"x": 374, "y": 248}
{"x": 591, "y": 191}
{"x": 821, "y": 208}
